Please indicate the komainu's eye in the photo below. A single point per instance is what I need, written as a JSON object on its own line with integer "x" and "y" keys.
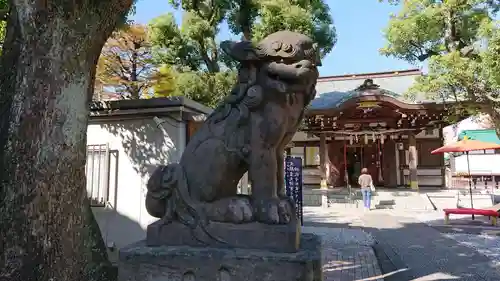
{"x": 276, "y": 46}
{"x": 287, "y": 48}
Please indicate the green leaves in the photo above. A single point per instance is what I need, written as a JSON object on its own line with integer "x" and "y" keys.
{"x": 424, "y": 28}
{"x": 461, "y": 42}
{"x": 206, "y": 88}
{"x": 170, "y": 46}
{"x": 190, "y": 51}
{"x": 414, "y": 32}
{"x": 491, "y": 56}
{"x": 309, "y": 17}
{"x": 4, "y": 9}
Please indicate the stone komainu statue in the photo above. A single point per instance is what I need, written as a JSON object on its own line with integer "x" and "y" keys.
{"x": 248, "y": 131}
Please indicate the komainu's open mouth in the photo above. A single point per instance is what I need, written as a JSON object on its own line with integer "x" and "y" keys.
{"x": 292, "y": 74}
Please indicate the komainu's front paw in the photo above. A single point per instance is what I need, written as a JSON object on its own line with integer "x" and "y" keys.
{"x": 273, "y": 210}
{"x": 233, "y": 210}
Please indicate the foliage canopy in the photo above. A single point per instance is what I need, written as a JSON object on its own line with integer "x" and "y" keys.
{"x": 460, "y": 40}
{"x": 193, "y": 65}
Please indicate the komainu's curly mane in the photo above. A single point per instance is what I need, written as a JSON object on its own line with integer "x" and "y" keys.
{"x": 244, "y": 97}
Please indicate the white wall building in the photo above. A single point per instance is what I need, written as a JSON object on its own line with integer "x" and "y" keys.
{"x": 124, "y": 146}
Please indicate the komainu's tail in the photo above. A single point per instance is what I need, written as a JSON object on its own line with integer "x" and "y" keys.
{"x": 168, "y": 198}
{"x": 160, "y": 187}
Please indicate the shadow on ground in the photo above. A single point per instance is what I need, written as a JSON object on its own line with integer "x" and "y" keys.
{"x": 410, "y": 250}
{"x": 117, "y": 231}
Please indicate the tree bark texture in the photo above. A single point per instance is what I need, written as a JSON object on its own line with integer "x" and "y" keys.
{"x": 47, "y": 230}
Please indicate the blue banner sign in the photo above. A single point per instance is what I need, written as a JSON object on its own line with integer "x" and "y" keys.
{"x": 293, "y": 183}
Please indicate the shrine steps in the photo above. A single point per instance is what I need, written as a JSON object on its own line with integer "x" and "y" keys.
{"x": 381, "y": 199}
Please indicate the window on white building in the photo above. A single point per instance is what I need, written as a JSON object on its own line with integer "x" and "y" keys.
{"x": 97, "y": 172}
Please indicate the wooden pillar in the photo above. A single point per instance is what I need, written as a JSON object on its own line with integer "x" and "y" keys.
{"x": 412, "y": 152}
{"x": 323, "y": 154}
{"x": 397, "y": 164}
{"x": 443, "y": 168}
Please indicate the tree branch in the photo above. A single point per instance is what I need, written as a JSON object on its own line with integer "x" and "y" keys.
{"x": 244, "y": 19}
{"x": 424, "y": 53}
{"x": 212, "y": 66}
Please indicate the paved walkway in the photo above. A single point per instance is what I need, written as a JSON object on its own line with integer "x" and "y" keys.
{"x": 416, "y": 250}
{"x": 427, "y": 252}
{"x": 347, "y": 254}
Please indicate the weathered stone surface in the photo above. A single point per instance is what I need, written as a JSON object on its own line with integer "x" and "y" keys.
{"x": 277, "y": 238}
{"x": 206, "y": 231}
{"x": 247, "y": 132}
{"x": 139, "y": 262}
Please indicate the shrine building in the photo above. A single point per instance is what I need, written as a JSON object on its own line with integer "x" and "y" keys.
{"x": 363, "y": 120}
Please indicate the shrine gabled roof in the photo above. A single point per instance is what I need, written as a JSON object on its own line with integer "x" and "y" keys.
{"x": 396, "y": 81}
{"x": 336, "y": 99}
{"x": 334, "y": 91}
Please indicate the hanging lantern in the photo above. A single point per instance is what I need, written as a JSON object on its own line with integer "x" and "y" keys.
{"x": 373, "y": 137}
{"x": 351, "y": 139}
{"x": 366, "y": 139}
{"x": 382, "y": 137}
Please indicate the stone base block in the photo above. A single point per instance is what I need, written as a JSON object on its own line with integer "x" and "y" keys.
{"x": 277, "y": 238}
{"x": 139, "y": 262}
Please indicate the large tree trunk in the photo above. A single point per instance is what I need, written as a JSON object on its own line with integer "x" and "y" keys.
{"x": 47, "y": 231}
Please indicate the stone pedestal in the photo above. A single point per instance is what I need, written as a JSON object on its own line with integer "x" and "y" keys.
{"x": 139, "y": 262}
{"x": 276, "y": 238}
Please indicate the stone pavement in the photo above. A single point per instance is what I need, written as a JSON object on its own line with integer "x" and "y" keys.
{"x": 426, "y": 251}
{"x": 347, "y": 254}
{"x": 416, "y": 250}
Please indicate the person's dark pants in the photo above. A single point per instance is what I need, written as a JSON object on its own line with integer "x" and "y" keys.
{"x": 367, "y": 196}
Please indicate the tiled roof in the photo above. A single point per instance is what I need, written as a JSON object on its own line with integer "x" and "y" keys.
{"x": 335, "y": 99}
{"x": 332, "y": 91}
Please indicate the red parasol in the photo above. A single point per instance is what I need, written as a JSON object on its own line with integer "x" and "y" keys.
{"x": 467, "y": 145}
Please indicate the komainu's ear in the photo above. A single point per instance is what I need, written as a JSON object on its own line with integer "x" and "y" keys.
{"x": 317, "y": 52}
{"x": 240, "y": 51}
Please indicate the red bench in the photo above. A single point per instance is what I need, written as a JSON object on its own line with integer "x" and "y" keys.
{"x": 492, "y": 214}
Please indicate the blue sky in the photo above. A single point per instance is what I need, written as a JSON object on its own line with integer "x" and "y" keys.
{"x": 359, "y": 31}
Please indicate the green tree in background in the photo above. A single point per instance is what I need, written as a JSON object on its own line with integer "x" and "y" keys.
{"x": 460, "y": 40}
{"x": 4, "y": 10}
{"x": 192, "y": 62}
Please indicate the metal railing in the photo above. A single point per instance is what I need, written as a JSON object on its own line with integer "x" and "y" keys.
{"x": 97, "y": 172}
{"x": 479, "y": 182}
